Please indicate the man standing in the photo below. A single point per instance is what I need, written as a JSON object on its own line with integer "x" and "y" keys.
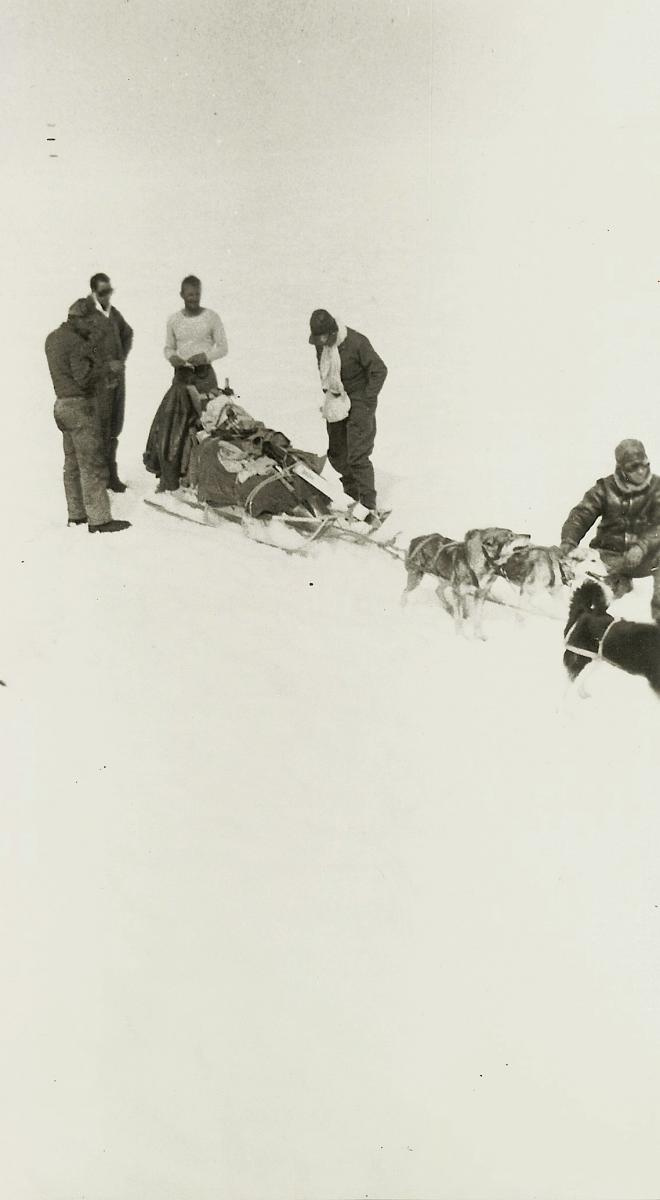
{"x": 116, "y": 337}
{"x": 74, "y": 370}
{"x": 195, "y": 338}
{"x": 352, "y": 375}
{"x": 628, "y": 536}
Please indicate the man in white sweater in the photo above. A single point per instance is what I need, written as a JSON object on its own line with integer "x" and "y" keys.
{"x": 195, "y": 338}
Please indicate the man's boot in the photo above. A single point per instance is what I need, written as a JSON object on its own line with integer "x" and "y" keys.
{"x": 109, "y": 527}
{"x": 114, "y": 482}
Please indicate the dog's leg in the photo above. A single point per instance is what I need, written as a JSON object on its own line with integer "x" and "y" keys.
{"x": 581, "y": 683}
{"x": 444, "y": 594}
{"x": 451, "y": 602}
{"x": 523, "y": 602}
{"x": 467, "y": 608}
{"x": 575, "y": 692}
{"x": 478, "y": 605}
{"x": 414, "y": 579}
{"x": 569, "y": 688}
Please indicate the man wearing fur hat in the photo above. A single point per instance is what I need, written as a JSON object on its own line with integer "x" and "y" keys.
{"x": 352, "y": 375}
{"x": 628, "y": 535}
{"x": 75, "y": 367}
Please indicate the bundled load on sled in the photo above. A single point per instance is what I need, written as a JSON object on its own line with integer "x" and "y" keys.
{"x": 214, "y": 458}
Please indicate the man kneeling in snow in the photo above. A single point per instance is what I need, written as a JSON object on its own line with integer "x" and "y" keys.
{"x": 628, "y": 536}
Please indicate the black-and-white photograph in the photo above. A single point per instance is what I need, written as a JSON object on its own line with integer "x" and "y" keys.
{"x": 330, "y": 661}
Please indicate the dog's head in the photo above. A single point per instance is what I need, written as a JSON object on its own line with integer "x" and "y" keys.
{"x": 590, "y": 597}
{"x": 586, "y": 564}
{"x": 492, "y": 547}
{"x": 593, "y": 596}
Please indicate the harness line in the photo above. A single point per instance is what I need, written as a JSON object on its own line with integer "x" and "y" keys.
{"x": 597, "y": 654}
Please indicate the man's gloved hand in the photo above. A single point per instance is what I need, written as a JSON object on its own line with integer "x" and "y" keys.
{"x": 633, "y": 556}
{"x": 176, "y": 361}
{"x": 198, "y": 360}
{"x": 116, "y": 365}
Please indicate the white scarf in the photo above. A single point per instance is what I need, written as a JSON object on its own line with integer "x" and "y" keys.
{"x": 105, "y": 311}
{"x": 336, "y": 405}
{"x": 330, "y": 364}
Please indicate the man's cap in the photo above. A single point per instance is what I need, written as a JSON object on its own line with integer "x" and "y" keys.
{"x": 630, "y": 453}
{"x": 321, "y": 322}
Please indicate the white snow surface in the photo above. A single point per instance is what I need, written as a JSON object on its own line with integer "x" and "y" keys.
{"x": 303, "y": 897}
{"x": 300, "y": 886}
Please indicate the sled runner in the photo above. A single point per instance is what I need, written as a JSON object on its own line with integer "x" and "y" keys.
{"x": 292, "y": 532}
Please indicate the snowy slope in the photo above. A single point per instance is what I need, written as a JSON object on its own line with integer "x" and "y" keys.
{"x": 303, "y": 897}
{"x": 305, "y": 882}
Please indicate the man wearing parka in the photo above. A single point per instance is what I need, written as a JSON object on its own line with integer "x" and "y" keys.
{"x": 349, "y": 364}
{"x": 628, "y": 535}
{"x": 74, "y": 369}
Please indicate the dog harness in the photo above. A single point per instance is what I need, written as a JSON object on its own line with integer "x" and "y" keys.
{"x": 453, "y": 546}
{"x": 423, "y": 544}
{"x": 587, "y": 653}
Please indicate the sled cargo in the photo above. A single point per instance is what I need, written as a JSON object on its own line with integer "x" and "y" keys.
{"x": 216, "y": 463}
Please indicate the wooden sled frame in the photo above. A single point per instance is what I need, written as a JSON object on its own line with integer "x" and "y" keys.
{"x": 309, "y": 528}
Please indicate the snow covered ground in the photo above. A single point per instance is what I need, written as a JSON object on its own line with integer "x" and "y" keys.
{"x": 306, "y": 896}
{"x": 303, "y": 897}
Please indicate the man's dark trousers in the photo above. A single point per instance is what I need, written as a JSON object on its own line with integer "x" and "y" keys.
{"x": 116, "y": 421}
{"x": 350, "y": 445}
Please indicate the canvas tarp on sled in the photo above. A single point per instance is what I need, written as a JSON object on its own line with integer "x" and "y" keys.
{"x": 229, "y": 457}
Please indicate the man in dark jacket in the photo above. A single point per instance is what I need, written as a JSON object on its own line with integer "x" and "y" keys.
{"x": 74, "y": 370}
{"x": 115, "y": 336}
{"x": 628, "y": 536}
{"x": 348, "y": 363}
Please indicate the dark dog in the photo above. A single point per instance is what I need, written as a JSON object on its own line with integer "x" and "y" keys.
{"x": 592, "y": 634}
{"x": 466, "y": 570}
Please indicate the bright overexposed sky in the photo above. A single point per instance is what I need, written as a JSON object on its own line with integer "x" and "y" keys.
{"x": 475, "y": 186}
{"x": 278, "y": 151}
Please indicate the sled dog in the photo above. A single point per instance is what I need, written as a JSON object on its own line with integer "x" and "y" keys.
{"x": 593, "y": 634}
{"x": 539, "y": 571}
{"x": 466, "y": 570}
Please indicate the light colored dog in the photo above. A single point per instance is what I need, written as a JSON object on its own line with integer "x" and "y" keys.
{"x": 539, "y": 571}
{"x": 466, "y": 570}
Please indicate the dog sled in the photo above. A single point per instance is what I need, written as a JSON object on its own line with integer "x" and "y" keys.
{"x": 217, "y": 464}
{"x": 225, "y": 465}
{"x": 293, "y": 533}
